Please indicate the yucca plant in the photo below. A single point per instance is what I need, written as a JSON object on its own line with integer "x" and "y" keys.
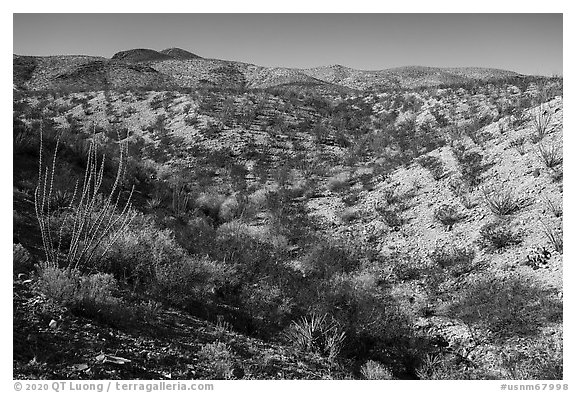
{"x": 555, "y": 237}
{"x": 92, "y": 217}
{"x": 553, "y": 207}
{"x": 448, "y": 215}
{"x": 503, "y": 201}
{"x": 519, "y": 145}
{"x": 541, "y": 120}
{"x": 316, "y": 333}
{"x": 551, "y": 155}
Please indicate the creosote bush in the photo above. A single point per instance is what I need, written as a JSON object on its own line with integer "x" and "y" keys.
{"x": 507, "y": 305}
{"x": 339, "y": 183}
{"x": 139, "y": 250}
{"x": 434, "y": 165}
{"x": 470, "y": 163}
{"x": 193, "y": 281}
{"x": 456, "y": 259}
{"x": 535, "y": 358}
{"x": 89, "y": 295}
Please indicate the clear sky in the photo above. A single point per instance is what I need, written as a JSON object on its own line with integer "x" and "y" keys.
{"x": 526, "y": 43}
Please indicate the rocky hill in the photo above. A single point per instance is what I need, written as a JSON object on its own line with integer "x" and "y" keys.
{"x": 179, "y": 54}
{"x": 188, "y": 70}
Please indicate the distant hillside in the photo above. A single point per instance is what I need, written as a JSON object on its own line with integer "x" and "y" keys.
{"x": 138, "y": 55}
{"x": 178, "y": 53}
{"x": 175, "y": 67}
{"x": 404, "y": 77}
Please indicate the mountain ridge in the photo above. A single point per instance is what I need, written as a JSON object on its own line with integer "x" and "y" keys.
{"x": 176, "y": 67}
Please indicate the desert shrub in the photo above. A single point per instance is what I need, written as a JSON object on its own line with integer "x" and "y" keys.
{"x": 316, "y": 333}
{"x": 374, "y": 370}
{"x": 180, "y": 199}
{"x": 391, "y": 196}
{"x": 339, "y": 183}
{"x": 391, "y": 217}
{"x": 252, "y": 258}
{"x": 406, "y": 268}
{"x": 507, "y": 305}
{"x": 220, "y": 358}
{"x": 473, "y": 128}
{"x": 22, "y": 260}
{"x": 209, "y": 204}
{"x": 470, "y": 165}
{"x": 456, "y": 259}
{"x": 24, "y": 139}
{"x": 443, "y": 366}
{"x": 497, "y": 235}
{"x": 503, "y": 201}
{"x": 92, "y": 295}
{"x": 269, "y": 305}
{"x": 139, "y": 250}
{"x": 229, "y": 209}
{"x": 191, "y": 120}
{"x": 448, "y": 215}
{"x": 463, "y": 192}
{"x": 194, "y": 281}
{"x": 538, "y": 358}
{"x": 551, "y": 155}
{"x": 351, "y": 198}
{"x": 325, "y": 259}
{"x": 197, "y": 237}
{"x": 519, "y": 117}
{"x": 369, "y": 316}
{"x": 434, "y": 165}
{"x": 290, "y": 218}
{"x": 349, "y": 214}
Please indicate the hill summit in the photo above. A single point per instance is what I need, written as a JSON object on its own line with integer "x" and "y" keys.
{"x": 180, "y": 54}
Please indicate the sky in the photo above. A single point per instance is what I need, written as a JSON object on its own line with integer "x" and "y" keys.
{"x": 525, "y": 43}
